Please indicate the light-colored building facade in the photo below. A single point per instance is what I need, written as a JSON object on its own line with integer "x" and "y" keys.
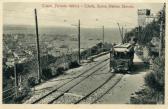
{"x": 145, "y": 17}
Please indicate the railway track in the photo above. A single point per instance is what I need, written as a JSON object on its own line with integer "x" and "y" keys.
{"x": 95, "y": 89}
{"x": 108, "y": 90}
{"x": 94, "y": 95}
{"x": 59, "y": 95}
{"x": 92, "y": 98}
{"x": 63, "y": 93}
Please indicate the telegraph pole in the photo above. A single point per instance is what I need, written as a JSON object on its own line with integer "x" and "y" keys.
{"x": 161, "y": 32}
{"x": 103, "y": 37}
{"x": 103, "y": 33}
{"x": 38, "y": 48}
{"x": 79, "y": 40}
{"x": 16, "y": 79}
{"x": 161, "y": 37}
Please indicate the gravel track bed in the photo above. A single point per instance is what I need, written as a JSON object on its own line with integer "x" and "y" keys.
{"x": 78, "y": 80}
{"x": 41, "y": 92}
{"x": 53, "y": 95}
{"x": 101, "y": 91}
{"x": 63, "y": 99}
{"x": 49, "y": 98}
{"x": 37, "y": 95}
{"x": 66, "y": 99}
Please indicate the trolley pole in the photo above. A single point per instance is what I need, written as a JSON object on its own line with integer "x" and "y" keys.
{"x": 103, "y": 34}
{"x": 121, "y": 32}
{"x": 79, "y": 40}
{"x": 38, "y": 48}
{"x": 103, "y": 37}
{"x": 122, "y": 29}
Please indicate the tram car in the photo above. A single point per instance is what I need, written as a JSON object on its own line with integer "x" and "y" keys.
{"x": 121, "y": 57}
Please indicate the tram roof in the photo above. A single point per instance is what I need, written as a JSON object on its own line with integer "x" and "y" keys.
{"x": 123, "y": 47}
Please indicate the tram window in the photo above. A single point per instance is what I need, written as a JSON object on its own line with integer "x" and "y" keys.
{"x": 122, "y": 55}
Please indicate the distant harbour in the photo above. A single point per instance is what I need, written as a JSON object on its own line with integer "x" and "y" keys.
{"x": 66, "y": 35}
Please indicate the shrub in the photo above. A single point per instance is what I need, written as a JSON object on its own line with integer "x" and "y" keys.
{"x": 74, "y": 64}
{"x": 155, "y": 79}
{"x": 144, "y": 96}
{"x": 60, "y": 70}
{"x": 31, "y": 81}
{"x": 21, "y": 95}
{"x": 153, "y": 93}
{"x": 46, "y": 73}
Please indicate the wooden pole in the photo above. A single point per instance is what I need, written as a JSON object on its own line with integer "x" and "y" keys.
{"x": 122, "y": 29}
{"x": 161, "y": 38}
{"x": 103, "y": 34}
{"x": 161, "y": 32}
{"x": 103, "y": 38}
{"x": 38, "y": 48}
{"x": 79, "y": 40}
{"x": 110, "y": 61}
{"x": 139, "y": 37}
{"x": 15, "y": 75}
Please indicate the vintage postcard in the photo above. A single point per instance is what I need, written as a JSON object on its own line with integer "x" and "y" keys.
{"x": 84, "y": 52}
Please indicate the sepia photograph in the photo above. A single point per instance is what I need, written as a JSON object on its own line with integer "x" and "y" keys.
{"x": 83, "y": 53}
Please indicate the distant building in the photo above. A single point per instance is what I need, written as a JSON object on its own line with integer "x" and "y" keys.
{"x": 145, "y": 17}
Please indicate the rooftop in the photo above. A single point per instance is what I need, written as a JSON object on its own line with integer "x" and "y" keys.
{"x": 123, "y": 47}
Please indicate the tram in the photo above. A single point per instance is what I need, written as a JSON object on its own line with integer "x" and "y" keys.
{"x": 121, "y": 57}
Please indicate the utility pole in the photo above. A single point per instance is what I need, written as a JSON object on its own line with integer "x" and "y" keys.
{"x": 16, "y": 79}
{"x": 161, "y": 37}
{"x": 139, "y": 33}
{"x": 125, "y": 30}
{"x": 79, "y": 40}
{"x": 103, "y": 37}
{"x": 38, "y": 48}
{"x": 161, "y": 31}
{"x": 103, "y": 33}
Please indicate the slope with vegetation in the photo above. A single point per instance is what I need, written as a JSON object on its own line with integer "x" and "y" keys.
{"x": 153, "y": 92}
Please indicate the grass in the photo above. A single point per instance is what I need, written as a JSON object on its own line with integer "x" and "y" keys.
{"x": 153, "y": 92}
{"x": 147, "y": 96}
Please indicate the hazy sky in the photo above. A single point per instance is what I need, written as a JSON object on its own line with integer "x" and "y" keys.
{"x": 23, "y": 14}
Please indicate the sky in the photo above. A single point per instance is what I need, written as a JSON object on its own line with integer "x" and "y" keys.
{"x": 54, "y": 15}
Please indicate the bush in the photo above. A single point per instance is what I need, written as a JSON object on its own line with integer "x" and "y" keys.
{"x": 60, "y": 70}
{"x": 21, "y": 95}
{"x": 46, "y": 73}
{"x": 144, "y": 96}
{"x": 74, "y": 64}
{"x": 153, "y": 93}
{"x": 31, "y": 81}
{"x": 155, "y": 79}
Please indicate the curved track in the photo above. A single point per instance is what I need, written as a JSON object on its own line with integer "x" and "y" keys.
{"x": 96, "y": 91}
{"x": 86, "y": 71}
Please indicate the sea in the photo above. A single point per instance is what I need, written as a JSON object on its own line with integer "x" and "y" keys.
{"x": 65, "y": 37}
